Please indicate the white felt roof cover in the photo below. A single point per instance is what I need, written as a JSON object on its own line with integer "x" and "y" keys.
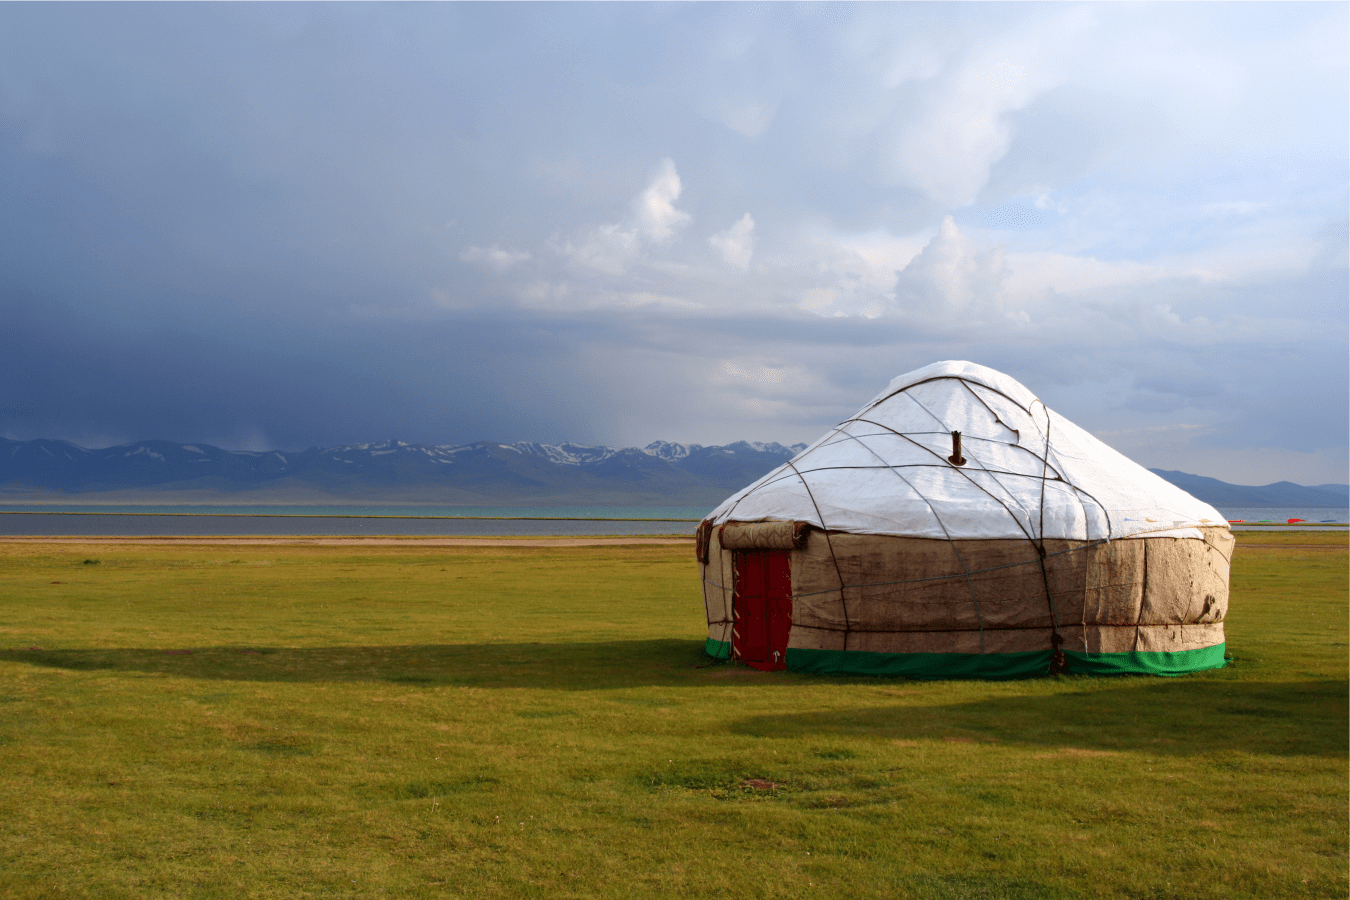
{"x": 1029, "y": 472}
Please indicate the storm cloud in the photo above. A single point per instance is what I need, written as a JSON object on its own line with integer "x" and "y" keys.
{"x": 293, "y": 225}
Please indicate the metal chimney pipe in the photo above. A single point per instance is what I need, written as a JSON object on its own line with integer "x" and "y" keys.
{"x": 956, "y": 458}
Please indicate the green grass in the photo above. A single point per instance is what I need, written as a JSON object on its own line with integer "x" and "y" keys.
{"x": 286, "y": 721}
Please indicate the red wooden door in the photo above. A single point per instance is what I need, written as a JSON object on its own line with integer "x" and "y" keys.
{"x": 762, "y": 608}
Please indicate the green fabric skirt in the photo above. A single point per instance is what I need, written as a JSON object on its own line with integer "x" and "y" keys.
{"x": 990, "y": 665}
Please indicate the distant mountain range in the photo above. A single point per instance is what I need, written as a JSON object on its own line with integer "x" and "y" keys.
{"x": 1281, "y": 493}
{"x": 485, "y": 473}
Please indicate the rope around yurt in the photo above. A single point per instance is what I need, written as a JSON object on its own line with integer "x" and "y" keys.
{"x": 956, "y": 461}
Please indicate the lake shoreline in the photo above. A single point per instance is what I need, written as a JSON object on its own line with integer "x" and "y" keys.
{"x": 349, "y": 541}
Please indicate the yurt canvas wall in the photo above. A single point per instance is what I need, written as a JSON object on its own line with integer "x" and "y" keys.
{"x": 1037, "y": 549}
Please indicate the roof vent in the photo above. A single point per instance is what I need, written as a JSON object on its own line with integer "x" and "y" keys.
{"x": 956, "y": 458}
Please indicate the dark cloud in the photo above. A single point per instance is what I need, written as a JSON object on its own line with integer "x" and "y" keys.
{"x": 294, "y": 225}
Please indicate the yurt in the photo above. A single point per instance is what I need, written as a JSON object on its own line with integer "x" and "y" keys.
{"x": 957, "y": 528}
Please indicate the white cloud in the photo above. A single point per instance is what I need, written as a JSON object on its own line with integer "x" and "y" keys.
{"x": 952, "y": 276}
{"x": 747, "y": 116}
{"x": 494, "y": 256}
{"x": 961, "y": 125}
{"x": 819, "y": 300}
{"x": 654, "y": 208}
{"x": 759, "y": 373}
{"x": 737, "y": 243}
{"x": 759, "y": 388}
{"x": 1031, "y": 275}
{"x": 566, "y": 297}
{"x": 544, "y": 294}
{"x": 1162, "y": 189}
{"x": 834, "y": 274}
{"x": 612, "y": 247}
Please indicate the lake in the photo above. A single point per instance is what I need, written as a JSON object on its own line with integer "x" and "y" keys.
{"x": 144, "y": 520}
{"x": 48, "y": 519}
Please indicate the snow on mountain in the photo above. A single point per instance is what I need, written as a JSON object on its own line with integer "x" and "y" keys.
{"x": 568, "y": 454}
{"x": 669, "y": 451}
{"x": 482, "y": 470}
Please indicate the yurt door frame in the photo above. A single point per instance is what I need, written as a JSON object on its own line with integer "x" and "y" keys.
{"x": 761, "y": 608}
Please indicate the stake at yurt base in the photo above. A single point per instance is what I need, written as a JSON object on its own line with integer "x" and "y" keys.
{"x": 957, "y": 528}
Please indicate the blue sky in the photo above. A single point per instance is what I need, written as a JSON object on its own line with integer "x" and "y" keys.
{"x": 290, "y": 225}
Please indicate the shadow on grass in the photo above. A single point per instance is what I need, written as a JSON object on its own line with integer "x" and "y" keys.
{"x": 1165, "y": 716}
{"x": 573, "y": 666}
{"x": 1173, "y": 717}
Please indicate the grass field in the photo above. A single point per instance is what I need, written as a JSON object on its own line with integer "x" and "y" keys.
{"x": 292, "y": 721}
